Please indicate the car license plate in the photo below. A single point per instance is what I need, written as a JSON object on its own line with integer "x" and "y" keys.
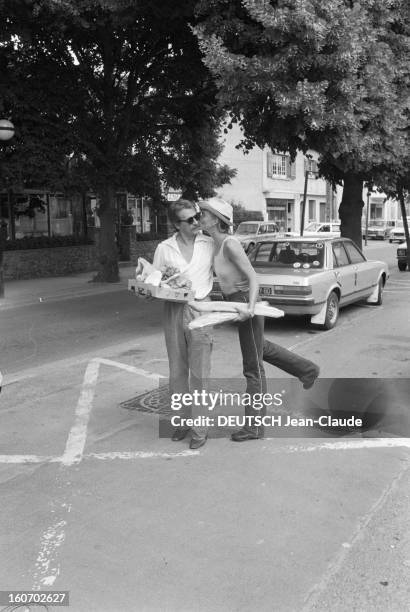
{"x": 265, "y": 291}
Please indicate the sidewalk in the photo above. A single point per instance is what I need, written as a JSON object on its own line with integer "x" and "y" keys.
{"x": 19, "y": 293}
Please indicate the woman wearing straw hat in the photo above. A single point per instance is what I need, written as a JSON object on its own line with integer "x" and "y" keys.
{"x": 239, "y": 283}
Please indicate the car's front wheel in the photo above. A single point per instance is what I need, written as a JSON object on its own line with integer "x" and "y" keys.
{"x": 402, "y": 266}
{"x": 332, "y": 311}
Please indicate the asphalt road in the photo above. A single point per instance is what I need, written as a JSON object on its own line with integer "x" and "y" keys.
{"x": 46, "y": 332}
{"x": 95, "y": 503}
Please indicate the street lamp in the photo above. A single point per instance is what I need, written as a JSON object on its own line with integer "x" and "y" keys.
{"x": 6, "y": 133}
{"x": 6, "y": 129}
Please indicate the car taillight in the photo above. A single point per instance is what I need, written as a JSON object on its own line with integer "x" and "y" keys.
{"x": 289, "y": 290}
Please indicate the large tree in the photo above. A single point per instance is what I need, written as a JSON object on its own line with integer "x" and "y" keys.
{"x": 126, "y": 91}
{"x": 306, "y": 74}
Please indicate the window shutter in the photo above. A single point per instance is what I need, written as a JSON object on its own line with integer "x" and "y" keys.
{"x": 293, "y": 169}
{"x": 269, "y": 164}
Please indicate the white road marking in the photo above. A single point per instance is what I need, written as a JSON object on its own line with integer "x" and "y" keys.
{"x": 47, "y": 568}
{"x": 126, "y": 455}
{"x": 28, "y": 459}
{"x": 341, "y": 445}
{"x": 78, "y": 434}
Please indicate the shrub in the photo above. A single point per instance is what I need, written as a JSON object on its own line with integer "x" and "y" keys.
{"x": 44, "y": 242}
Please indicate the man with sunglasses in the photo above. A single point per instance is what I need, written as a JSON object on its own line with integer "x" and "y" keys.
{"x": 189, "y": 351}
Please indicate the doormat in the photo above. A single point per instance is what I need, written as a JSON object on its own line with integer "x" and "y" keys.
{"x": 155, "y": 401}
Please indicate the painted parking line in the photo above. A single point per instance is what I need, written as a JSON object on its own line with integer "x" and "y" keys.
{"x": 78, "y": 434}
{"x": 47, "y": 567}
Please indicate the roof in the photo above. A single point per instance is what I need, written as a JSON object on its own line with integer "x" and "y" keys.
{"x": 300, "y": 238}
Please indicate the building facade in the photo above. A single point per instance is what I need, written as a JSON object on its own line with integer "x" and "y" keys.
{"x": 275, "y": 185}
{"x": 40, "y": 213}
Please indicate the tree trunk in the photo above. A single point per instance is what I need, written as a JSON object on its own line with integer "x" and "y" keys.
{"x": 350, "y": 209}
{"x": 108, "y": 252}
{"x": 405, "y": 225}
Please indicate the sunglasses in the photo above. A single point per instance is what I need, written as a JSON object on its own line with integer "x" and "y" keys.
{"x": 190, "y": 220}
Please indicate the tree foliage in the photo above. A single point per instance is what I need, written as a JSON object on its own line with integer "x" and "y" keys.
{"x": 331, "y": 76}
{"x": 119, "y": 86}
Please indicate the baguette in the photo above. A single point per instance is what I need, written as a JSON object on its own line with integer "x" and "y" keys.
{"x": 261, "y": 308}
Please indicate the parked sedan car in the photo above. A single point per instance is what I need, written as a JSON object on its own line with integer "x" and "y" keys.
{"x": 248, "y": 231}
{"x": 402, "y": 256}
{"x": 378, "y": 229}
{"x": 316, "y": 277}
{"x": 396, "y": 234}
{"x": 319, "y": 229}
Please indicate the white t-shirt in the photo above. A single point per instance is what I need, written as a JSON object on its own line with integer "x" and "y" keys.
{"x": 198, "y": 270}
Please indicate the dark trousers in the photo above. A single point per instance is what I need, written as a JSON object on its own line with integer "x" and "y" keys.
{"x": 251, "y": 341}
{"x": 285, "y": 360}
{"x": 256, "y": 349}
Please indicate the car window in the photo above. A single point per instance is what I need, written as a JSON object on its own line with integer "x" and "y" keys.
{"x": 271, "y": 228}
{"x": 339, "y": 255}
{"x": 312, "y": 227}
{"x": 325, "y": 228}
{"x": 336, "y": 227}
{"x": 353, "y": 252}
{"x": 263, "y": 229}
{"x": 262, "y": 252}
{"x": 290, "y": 254}
{"x": 247, "y": 228}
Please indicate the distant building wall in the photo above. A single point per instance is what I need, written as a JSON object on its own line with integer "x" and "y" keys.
{"x": 274, "y": 185}
{"x": 246, "y": 186}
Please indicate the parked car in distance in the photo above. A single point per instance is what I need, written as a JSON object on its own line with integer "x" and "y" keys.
{"x": 377, "y": 229}
{"x": 319, "y": 229}
{"x": 316, "y": 277}
{"x": 248, "y": 231}
{"x": 402, "y": 256}
{"x": 397, "y": 232}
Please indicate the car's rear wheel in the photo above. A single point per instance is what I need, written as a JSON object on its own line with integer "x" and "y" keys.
{"x": 332, "y": 311}
{"x": 380, "y": 293}
{"x": 402, "y": 266}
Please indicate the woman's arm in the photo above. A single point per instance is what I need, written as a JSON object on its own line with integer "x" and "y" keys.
{"x": 233, "y": 251}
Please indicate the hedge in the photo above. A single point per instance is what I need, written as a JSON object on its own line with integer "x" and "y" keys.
{"x": 42, "y": 242}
